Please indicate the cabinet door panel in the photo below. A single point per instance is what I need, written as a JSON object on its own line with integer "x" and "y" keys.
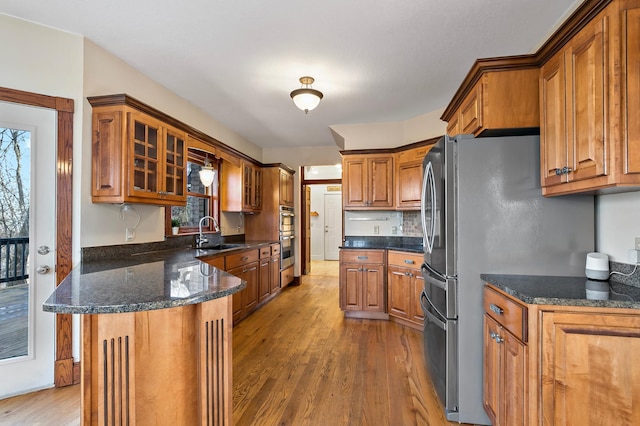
{"x": 631, "y": 104}
{"x": 409, "y": 185}
{"x": 107, "y": 167}
{"x": 589, "y": 368}
{"x": 417, "y": 315}
{"x": 264, "y": 277}
{"x": 144, "y": 152}
{"x": 492, "y": 369}
{"x": 586, "y": 85}
{"x": 381, "y": 179}
{"x": 399, "y": 292}
{"x": 553, "y": 147}
{"x": 355, "y": 188}
{"x": 350, "y": 277}
{"x": 514, "y": 369}
{"x": 373, "y": 289}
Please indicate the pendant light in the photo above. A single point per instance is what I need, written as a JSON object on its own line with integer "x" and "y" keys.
{"x": 206, "y": 173}
{"x": 306, "y": 98}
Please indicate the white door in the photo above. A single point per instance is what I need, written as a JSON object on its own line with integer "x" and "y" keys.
{"x": 332, "y": 226}
{"x": 29, "y": 339}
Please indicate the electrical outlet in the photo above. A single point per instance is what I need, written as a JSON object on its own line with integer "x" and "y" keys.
{"x": 637, "y": 246}
{"x": 394, "y": 230}
{"x": 376, "y": 229}
{"x": 634, "y": 256}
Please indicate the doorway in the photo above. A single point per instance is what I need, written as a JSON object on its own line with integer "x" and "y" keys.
{"x": 61, "y": 208}
{"x": 332, "y": 226}
{"x": 27, "y": 247}
{"x": 316, "y": 181}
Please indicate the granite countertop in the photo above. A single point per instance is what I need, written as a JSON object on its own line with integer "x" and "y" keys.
{"x": 147, "y": 281}
{"x": 566, "y": 291}
{"x": 409, "y": 244}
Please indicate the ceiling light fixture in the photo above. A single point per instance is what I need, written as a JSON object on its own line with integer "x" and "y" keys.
{"x": 206, "y": 173}
{"x": 306, "y": 98}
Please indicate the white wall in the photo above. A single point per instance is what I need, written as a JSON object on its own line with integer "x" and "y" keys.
{"x": 42, "y": 60}
{"x": 391, "y": 134}
{"x": 104, "y": 74}
{"x": 617, "y": 224}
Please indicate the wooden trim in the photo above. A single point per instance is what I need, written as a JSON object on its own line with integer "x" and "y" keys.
{"x": 578, "y": 19}
{"x": 63, "y": 366}
{"x": 322, "y": 182}
{"x": 124, "y": 99}
{"x": 391, "y": 150}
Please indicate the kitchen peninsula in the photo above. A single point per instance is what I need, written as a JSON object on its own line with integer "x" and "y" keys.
{"x": 156, "y": 338}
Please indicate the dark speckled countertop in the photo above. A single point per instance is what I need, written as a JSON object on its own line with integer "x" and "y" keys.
{"x": 145, "y": 281}
{"x": 409, "y": 244}
{"x": 566, "y": 291}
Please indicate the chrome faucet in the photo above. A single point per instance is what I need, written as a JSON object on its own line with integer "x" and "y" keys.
{"x": 201, "y": 238}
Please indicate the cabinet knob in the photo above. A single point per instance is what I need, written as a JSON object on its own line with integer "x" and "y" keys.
{"x": 563, "y": 171}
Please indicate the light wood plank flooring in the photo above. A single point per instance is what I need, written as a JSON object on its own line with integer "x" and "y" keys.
{"x": 298, "y": 361}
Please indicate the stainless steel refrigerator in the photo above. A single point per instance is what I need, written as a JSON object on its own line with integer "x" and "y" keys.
{"x": 483, "y": 212}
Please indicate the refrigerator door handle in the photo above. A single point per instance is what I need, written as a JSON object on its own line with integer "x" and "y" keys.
{"x": 437, "y": 321}
{"x": 428, "y": 272}
{"x": 428, "y": 184}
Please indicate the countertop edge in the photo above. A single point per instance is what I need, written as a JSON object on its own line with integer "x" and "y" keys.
{"x": 143, "y": 306}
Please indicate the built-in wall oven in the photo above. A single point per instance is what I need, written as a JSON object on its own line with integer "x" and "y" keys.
{"x": 287, "y": 256}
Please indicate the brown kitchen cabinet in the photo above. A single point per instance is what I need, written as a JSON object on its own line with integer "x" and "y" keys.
{"x": 240, "y": 187}
{"x": 404, "y": 286}
{"x": 264, "y": 273}
{"x": 505, "y": 360}
{"x": 244, "y": 265}
{"x": 408, "y": 177}
{"x": 554, "y": 364}
{"x": 274, "y": 269}
{"x": 367, "y": 181}
{"x": 362, "y": 283}
{"x": 136, "y": 158}
{"x": 500, "y": 102}
{"x": 589, "y": 137}
{"x": 589, "y": 368}
{"x": 286, "y": 188}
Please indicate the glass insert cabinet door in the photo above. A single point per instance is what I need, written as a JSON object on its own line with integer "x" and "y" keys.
{"x": 158, "y": 154}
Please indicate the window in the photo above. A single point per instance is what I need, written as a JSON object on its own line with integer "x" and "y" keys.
{"x": 201, "y": 201}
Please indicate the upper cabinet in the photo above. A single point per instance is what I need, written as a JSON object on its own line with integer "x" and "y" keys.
{"x": 408, "y": 171}
{"x": 574, "y": 131}
{"x": 136, "y": 158}
{"x": 286, "y": 188}
{"x": 589, "y": 138}
{"x": 497, "y": 102}
{"x": 367, "y": 181}
{"x": 241, "y": 186}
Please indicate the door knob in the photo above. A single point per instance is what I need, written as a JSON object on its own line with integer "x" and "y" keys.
{"x": 43, "y": 269}
{"x": 43, "y": 250}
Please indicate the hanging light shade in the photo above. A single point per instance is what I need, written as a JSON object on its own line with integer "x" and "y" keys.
{"x": 206, "y": 173}
{"x": 306, "y": 98}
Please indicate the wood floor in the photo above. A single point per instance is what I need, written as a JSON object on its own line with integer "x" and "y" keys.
{"x": 297, "y": 361}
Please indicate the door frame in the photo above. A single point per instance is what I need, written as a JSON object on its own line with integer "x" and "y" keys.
{"x": 63, "y": 367}
{"x": 303, "y": 212}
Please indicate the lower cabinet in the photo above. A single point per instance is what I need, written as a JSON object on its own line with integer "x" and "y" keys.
{"x": 362, "y": 283}
{"x": 558, "y": 365}
{"x": 244, "y": 265}
{"x": 589, "y": 368}
{"x": 404, "y": 285}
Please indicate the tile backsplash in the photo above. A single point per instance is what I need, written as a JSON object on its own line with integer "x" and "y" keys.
{"x": 382, "y": 223}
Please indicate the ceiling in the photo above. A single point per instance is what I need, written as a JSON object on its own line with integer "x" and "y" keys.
{"x": 375, "y": 61}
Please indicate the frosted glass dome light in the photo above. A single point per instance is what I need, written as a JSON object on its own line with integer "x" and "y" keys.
{"x": 306, "y": 98}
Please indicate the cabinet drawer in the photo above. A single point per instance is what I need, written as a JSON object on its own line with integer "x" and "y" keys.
{"x": 362, "y": 256}
{"x": 509, "y": 314}
{"x": 404, "y": 259}
{"x": 275, "y": 249}
{"x": 237, "y": 259}
{"x": 265, "y": 252}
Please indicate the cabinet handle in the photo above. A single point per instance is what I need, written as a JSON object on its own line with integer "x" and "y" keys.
{"x": 496, "y": 336}
{"x": 245, "y": 258}
{"x": 363, "y": 257}
{"x": 495, "y": 308}
{"x": 563, "y": 171}
{"x": 409, "y": 262}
